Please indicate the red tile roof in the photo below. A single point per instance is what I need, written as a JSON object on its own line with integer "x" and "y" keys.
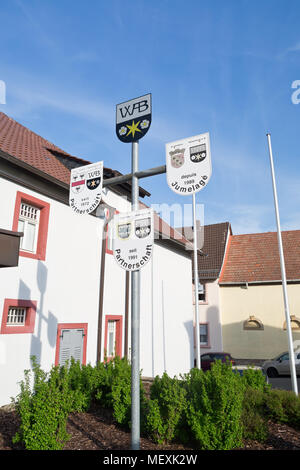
{"x": 25, "y": 145}
{"x": 255, "y": 257}
{"x": 32, "y": 149}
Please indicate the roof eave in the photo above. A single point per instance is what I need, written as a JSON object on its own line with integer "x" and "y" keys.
{"x": 32, "y": 169}
{"x": 243, "y": 283}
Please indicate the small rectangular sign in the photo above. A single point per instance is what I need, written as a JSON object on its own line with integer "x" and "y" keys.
{"x": 86, "y": 188}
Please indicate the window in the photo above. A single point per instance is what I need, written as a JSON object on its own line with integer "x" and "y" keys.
{"x": 71, "y": 342}
{"x": 113, "y": 336}
{"x": 253, "y": 323}
{"x": 284, "y": 357}
{"x": 111, "y": 340}
{"x": 28, "y": 224}
{"x": 205, "y": 357}
{"x": 18, "y": 316}
{"x": 295, "y": 323}
{"x": 31, "y": 217}
{"x": 201, "y": 292}
{"x": 204, "y": 335}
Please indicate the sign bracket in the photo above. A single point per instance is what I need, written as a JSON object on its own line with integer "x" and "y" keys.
{"x": 137, "y": 174}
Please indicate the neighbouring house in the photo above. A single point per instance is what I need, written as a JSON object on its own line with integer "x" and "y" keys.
{"x": 65, "y": 296}
{"x": 251, "y": 293}
{"x": 213, "y": 241}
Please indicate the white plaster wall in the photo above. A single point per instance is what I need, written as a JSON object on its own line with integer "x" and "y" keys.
{"x": 166, "y": 326}
{"x": 166, "y": 316}
{"x": 65, "y": 286}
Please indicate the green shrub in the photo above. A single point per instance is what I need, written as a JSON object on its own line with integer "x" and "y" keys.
{"x": 214, "y": 407}
{"x": 44, "y": 407}
{"x": 164, "y": 420}
{"x": 83, "y": 382}
{"x": 283, "y": 406}
{"x": 291, "y": 406}
{"x": 113, "y": 389}
{"x": 255, "y": 379}
{"x": 253, "y": 418}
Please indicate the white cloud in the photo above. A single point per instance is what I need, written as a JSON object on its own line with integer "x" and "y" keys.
{"x": 288, "y": 50}
{"x": 33, "y": 98}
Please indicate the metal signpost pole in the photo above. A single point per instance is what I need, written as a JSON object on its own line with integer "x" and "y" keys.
{"x": 135, "y": 319}
{"x": 283, "y": 274}
{"x": 198, "y": 362}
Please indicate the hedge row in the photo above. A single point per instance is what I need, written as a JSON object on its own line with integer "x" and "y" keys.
{"x": 217, "y": 409}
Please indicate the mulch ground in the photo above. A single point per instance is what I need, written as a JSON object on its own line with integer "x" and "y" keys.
{"x": 96, "y": 430}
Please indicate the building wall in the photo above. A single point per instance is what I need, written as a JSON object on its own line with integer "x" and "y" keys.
{"x": 166, "y": 335}
{"x": 65, "y": 286}
{"x": 209, "y": 313}
{"x": 266, "y": 303}
{"x": 166, "y": 313}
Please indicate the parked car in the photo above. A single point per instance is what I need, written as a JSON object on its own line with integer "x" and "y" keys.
{"x": 280, "y": 365}
{"x": 209, "y": 358}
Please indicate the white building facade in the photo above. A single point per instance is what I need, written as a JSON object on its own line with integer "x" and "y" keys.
{"x": 67, "y": 297}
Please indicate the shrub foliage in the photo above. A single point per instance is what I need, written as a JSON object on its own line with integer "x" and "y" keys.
{"x": 216, "y": 409}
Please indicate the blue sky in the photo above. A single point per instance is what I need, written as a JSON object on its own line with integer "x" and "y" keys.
{"x": 223, "y": 67}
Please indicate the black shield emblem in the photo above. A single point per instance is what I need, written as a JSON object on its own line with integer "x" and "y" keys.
{"x": 133, "y": 118}
{"x": 134, "y": 129}
{"x": 143, "y": 227}
{"x": 124, "y": 231}
{"x": 93, "y": 183}
{"x": 198, "y": 153}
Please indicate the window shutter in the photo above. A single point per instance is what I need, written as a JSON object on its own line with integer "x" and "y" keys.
{"x": 71, "y": 345}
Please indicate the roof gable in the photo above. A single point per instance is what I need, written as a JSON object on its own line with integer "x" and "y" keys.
{"x": 211, "y": 256}
{"x": 255, "y": 257}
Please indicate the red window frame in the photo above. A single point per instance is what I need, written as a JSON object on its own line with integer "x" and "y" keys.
{"x": 44, "y": 208}
{"x": 71, "y": 326}
{"x": 30, "y": 306}
{"x": 119, "y": 332}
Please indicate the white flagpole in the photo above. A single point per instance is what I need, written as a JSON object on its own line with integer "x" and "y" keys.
{"x": 198, "y": 362}
{"x": 283, "y": 275}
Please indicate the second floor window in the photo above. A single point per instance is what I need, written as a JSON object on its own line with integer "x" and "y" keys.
{"x": 29, "y": 224}
{"x": 201, "y": 292}
{"x": 31, "y": 216}
{"x": 204, "y": 334}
